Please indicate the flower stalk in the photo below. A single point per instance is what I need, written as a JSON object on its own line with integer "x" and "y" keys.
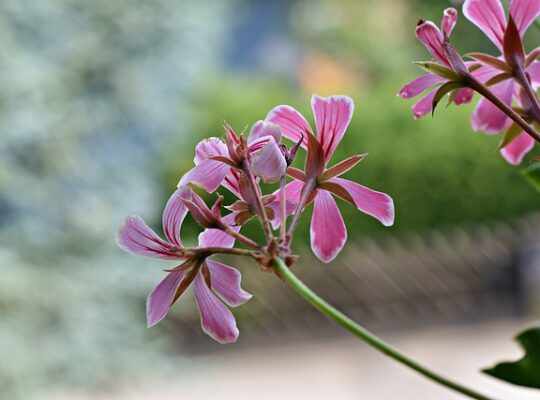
{"x": 341, "y": 319}
{"x": 261, "y": 212}
{"x": 474, "y": 84}
{"x": 307, "y": 191}
{"x": 521, "y": 77}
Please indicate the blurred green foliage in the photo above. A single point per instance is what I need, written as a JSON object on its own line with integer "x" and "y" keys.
{"x": 438, "y": 171}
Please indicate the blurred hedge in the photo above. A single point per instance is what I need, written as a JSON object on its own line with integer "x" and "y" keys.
{"x": 438, "y": 171}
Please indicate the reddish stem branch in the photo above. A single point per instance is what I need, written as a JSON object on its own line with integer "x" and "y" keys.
{"x": 237, "y": 235}
{"x": 523, "y": 79}
{"x": 261, "y": 212}
{"x": 283, "y": 210}
{"x": 474, "y": 84}
{"x": 307, "y": 190}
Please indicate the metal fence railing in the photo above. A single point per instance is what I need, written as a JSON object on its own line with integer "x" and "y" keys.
{"x": 456, "y": 275}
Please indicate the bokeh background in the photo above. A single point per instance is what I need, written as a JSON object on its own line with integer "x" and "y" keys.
{"x": 101, "y": 104}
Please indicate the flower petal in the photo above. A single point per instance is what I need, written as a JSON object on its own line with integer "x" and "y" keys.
{"x": 414, "y": 88}
{"x": 276, "y": 206}
{"x": 293, "y": 190}
{"x": 208, "y": 174}
{"x": 208, "y": 148}
{"x": 424, "y": 105}
{"x": 534, "y": 73}
{"x": 293, "y": 125}
{"x": 218, "y": 238}
{"x": 431, "y": 37}
{"x": 174, "y": 214}
{"x": 463, "y": 96}
{"x": 332, "y": 117}
{"x": 264, "y": 128}
{"x": 161, "y": 298}
{"x": 524, "y": 13}
{"x": 449, "y": 20}
{"x": 377, "y": 204}
{"x": 216, "y": 319}
{"x": 485, "y": 73}
{"x": 488, "y": 118}
{"x": 134, "y": 236}
{"x": 517, "y": 148}
{"x": 328, "y": 232}
{"x": 488, "y": 15}
{"x": 226, "y": 283}
{"x": 269, "y": 162}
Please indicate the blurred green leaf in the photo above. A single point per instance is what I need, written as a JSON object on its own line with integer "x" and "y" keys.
{"x": 526, "y": 371}
{"x": 532, "y": 175}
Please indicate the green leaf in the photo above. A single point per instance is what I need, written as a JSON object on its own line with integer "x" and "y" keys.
{"x": 526, "y": 371}
{"x": 438, "y": 69}
{"x": 509, "y": 135}
{"x": 532, "y": 175}
{"x": 490, "y": 60}
{"x": 315, "y": 158}
{"x": 499, "y": 78}
{"x": 443, "y": 90}
{"x": 513, "y": 51}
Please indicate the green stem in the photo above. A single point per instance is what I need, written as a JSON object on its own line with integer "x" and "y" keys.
{"x": 341, "y": 319}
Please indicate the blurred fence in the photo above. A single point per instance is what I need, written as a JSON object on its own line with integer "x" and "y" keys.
{"x": 459, "y": 275}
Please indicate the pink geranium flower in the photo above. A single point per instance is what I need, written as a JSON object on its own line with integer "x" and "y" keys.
{"x": 214, "y": 158}
{"x": 213, "y": 281}
{"x": 332, "y": 117}
{"x": 433, "y": 39}
{"x": 489, "y": 16}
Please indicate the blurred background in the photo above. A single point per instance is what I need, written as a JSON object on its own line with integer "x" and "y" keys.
{"x": 101, "y": 104}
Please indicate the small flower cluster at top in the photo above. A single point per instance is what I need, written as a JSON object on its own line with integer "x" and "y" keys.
{"x": 239, "y": 164}
{"x": 513, "y": 76}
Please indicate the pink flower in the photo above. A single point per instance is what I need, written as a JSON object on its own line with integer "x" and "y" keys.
{"x": 213, "y": 281}
{"x": 332, "y": 117}
{"x": 489, "y": 16}
{"x": 214, "y": 159}
{"x": 433, "y": 39}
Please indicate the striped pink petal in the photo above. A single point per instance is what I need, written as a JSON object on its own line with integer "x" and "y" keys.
{"x": 174, "y": 214}
{"x": 226, "y": 283}
{"x": 293, "y": 125}
{"x": 210, "y": 147}
{"x": 332, "y": 117}
{"x": 431, "y": 37}
{"x": 217, "y": 237}
{"x": 424, "y": 105}
{"x": 328, "y": 232}
{"x": 377, "y": 204}
{"x": 161, "y": 298}
{"x": 517, "y": 148}
{"x": 485, "y": 73}
{"x": 488, "y": 118}
{"x": 216, "y": 319}
{"x": 293, "y": 191}
{"x": 269, "y": 162}
{"x": 524, "y": 13}
{"x": 463, "y": 96}
{"x": 135, "y": 237}
{"x": 417, "y": 86}
{"x": 449, "y": 21}
{"x": 488, "y": 15}
{"x": 264, "y": 128}
{"x": 208, "y": 174}
{"x": 290, "y": 206}
{"x": 534, "y": 73}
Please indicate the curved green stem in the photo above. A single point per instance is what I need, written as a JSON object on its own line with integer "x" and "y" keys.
{"x": 341, "y": 319}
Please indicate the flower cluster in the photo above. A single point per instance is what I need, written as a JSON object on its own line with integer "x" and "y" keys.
{"x": 512, "y": 76}
{"x": 239, "y": 165}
